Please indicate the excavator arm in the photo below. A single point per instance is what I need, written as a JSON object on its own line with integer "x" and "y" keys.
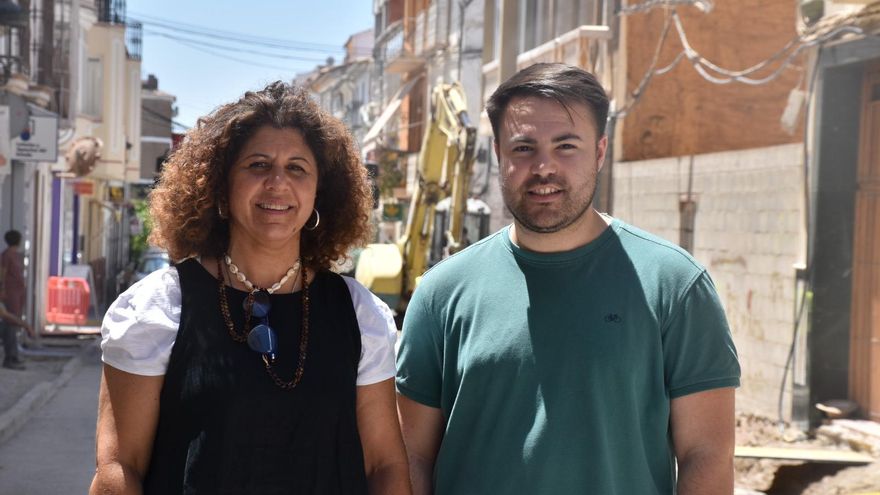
{"x": 444, "y": 169}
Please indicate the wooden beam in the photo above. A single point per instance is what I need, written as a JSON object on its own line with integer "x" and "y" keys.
{"x": 806, "y": 455}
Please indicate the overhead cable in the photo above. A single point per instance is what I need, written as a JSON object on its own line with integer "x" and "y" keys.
{"x": 701, "y": 64}
{"x": 232, "y": 48}
{"x": 162, "y": 118}
{"x": 637, "y": 93}
{"x": 210, "y": 32}
{"x": 236, "y": 59}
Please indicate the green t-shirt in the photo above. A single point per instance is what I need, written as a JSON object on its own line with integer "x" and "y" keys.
{"x": 554, "y": 372}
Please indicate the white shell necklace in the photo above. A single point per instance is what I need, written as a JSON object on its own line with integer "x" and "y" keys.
{"x": 233, "y": 269}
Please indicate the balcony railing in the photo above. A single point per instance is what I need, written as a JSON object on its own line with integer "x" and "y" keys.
{"x": 111, "y": 11}
{"x": 395, "y": 50}
{"x": 571, "y": 48}
{"x": 134, "y": 36}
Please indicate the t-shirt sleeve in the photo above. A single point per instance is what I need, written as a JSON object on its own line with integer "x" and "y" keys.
{"x": 419, "y": 358}
{"x": 140, "y": 327}
{"x": 699, "y": 353}
{"x": 378, "y": 334}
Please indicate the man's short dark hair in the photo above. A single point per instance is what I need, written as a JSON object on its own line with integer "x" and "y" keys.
{"x": 12, "y": 238}
{"x": 564, "y": 83}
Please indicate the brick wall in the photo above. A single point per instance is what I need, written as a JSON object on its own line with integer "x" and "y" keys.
{"x": 748, "y": 232}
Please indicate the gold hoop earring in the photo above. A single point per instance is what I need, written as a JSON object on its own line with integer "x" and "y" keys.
{"x": 317, "y": 221}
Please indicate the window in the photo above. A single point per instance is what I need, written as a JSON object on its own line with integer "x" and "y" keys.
{"x": 94, "y": 87}
{"x": 527, "y": 16}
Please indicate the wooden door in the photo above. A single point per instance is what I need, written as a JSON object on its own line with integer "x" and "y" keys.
{"x": 864, "y": 369}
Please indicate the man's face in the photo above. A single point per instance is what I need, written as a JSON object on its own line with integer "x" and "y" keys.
{"x": 549, "y": 158}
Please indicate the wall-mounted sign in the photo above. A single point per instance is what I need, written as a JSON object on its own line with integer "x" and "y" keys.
{"x": 392, "y": 212}
{"x": 83, "y": 187}
{"x": 38, "y": 141}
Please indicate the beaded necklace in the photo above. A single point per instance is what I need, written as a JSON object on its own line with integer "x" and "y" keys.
{"x": 242, "y": 336}
{"x": 233, "y": 269}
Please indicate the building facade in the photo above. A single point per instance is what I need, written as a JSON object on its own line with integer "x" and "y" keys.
{"x": 73, "y": 65}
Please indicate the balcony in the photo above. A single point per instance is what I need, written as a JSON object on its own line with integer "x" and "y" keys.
{"x": 572, "y": 48}
{"x": 111, "y": 11}
{"x": 396, "y": 50}
{"x": 134, "y": 40}
{"x": 430, "y": 30}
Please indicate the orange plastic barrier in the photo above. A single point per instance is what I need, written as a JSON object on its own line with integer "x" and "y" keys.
{"x": 67, "y": 301}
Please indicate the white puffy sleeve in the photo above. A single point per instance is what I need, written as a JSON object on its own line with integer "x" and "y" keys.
{"x": 140, "y": 327}
{"x": 378, "y": 334}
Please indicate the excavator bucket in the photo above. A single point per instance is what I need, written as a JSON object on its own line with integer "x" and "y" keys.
{"x": 380, "y": 268}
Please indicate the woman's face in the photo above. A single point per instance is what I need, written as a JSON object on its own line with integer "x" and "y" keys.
{"x": 272, "y": 187}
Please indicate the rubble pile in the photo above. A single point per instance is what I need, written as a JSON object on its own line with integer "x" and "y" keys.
{"x": 778, "y": 477}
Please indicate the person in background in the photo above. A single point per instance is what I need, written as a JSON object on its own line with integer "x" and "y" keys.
{"x": 13, "y": 293}
{"x": 248, "y": 367}
{"x": 569, "y": 352}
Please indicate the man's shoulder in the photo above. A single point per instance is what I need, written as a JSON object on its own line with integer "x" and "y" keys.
{"x": 470, "y": 260}
{"x": 654, "y": 253}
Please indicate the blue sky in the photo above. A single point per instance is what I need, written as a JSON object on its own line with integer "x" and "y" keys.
{"x": 202, "y": 81}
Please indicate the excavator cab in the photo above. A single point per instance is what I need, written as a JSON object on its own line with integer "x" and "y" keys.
{"x": 474, "y": 227}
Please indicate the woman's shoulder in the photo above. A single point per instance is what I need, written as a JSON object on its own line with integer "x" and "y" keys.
{"x": 156, "y": 287}
{"x": 374, "y": 316}
{"x": 140, "y": 327}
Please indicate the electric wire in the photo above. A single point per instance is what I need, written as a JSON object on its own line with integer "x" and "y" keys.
{"x": 162, "y": 118}
{"x": 649, "y": 74}
{"x": 210, "y": 32}
{"x": 156, "y": 120}
{"x": 236, "y": 59}
{"x": 701, "y": 63}
{"x": 232, "y": 48}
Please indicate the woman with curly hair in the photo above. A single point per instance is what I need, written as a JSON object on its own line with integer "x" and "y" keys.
{"x": 248, "y": 366}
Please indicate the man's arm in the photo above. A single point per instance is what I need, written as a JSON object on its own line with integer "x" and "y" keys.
{"x": 703, "y": 427}
{"x": 15, "y": 320}
{"x": 128, "y": 413}
{"x": 422, "y": 428}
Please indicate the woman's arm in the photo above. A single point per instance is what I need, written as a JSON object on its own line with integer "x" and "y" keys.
{"x": 128, "y": 412}
{"x": 384, "y": 455}
{"x": 423, "y": 429}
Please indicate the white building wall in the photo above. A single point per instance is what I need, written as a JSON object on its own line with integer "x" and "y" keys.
{"x": 749, "y": 232}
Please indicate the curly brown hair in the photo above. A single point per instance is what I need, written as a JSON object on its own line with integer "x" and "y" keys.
{"x": 194, "y": 179}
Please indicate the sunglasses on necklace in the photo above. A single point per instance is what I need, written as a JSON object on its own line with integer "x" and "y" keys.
{"x": 261, "y": 338}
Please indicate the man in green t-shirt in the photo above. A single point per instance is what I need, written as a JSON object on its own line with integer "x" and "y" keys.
{"x": 569, "y": 352}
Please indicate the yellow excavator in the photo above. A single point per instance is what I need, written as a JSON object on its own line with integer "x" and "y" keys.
{"x": 439, "y": 206}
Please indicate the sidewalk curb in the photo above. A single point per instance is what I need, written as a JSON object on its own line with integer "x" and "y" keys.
{"x": 18, "y": 415}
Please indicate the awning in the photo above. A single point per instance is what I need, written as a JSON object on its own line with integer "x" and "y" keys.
{"x": 389, "y": 111}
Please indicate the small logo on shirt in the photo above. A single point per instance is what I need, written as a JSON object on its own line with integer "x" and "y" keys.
{"x": 613, "y": 318}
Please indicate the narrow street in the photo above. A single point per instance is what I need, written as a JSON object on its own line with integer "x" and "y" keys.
{"x": 54, "y": 452}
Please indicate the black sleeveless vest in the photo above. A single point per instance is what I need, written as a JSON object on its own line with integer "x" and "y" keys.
{"x": 226, "y": 428}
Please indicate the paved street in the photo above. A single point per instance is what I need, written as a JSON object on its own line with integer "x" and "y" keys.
{"x": 54, "y": 452}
